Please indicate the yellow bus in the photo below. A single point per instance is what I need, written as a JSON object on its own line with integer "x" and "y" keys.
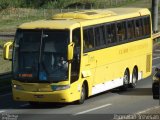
{"x": 78, "y": 54}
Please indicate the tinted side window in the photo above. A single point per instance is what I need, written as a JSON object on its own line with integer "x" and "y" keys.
{"x": 138, "y": 28}
{"x": 146, "y": 23}
{"x": 88, "y": 39}
{"x": 75, "y": 66}
{"x": 99, "y": 36}
{"x": 111, "y": 33}
{"x": 76, "y": 38}
{"x": 130, "y": 29}
{"x": 121, "y": 31}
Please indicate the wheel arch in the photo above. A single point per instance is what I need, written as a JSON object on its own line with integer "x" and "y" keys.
{"x": 129, "y": 73}
{"x": 127, "y": 69}
{"x": 136, "y": 68}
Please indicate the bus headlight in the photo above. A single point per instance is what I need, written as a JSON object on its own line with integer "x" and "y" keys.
{"x": 18, "y": 87}
{"x": 60, "y": 87}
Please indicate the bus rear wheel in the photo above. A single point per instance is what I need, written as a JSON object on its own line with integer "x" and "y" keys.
{"x": 134, "y": 78}
{"x": 155, "y": 96}
{"x": 82, "y": 95}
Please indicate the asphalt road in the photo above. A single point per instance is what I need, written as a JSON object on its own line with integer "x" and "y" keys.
{"x": 105, "y": 105}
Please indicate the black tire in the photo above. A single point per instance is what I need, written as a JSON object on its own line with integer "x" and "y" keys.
{"x": 155, "y": 97}
{"x": 125, "y": 81}
{"x": 134, "y": 78}
{"x": 83, "y": 95}
{"x": 155, "y": 89}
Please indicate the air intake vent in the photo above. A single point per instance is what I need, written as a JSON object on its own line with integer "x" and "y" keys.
{"x": 148, "y": 63}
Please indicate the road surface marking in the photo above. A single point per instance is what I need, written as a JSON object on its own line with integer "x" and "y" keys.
{"x": 24, "y": 105}
{"x": 147, "y": 110}
{"x": 157, "y": 50}
{"x": 86, "y": 111}
{"x": 7, "y": 94}
{"x": 154, "y": 66}
{"x": 156, "y": 58}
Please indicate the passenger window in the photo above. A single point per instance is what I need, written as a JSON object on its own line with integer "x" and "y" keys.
{"x": 121, "y": 31}
{"x": 88, "y": 39}
{"x": 146, "y": 26}
{"x": 130, "y": 29}
{"x": 111, "y": 34}
{"x": 138, "y": 28}
{"x": 99, "y": 36}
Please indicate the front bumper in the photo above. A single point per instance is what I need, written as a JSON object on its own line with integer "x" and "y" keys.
{"x": 62, "y": 96}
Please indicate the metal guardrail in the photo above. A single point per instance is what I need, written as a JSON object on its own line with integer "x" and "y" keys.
{"x": 9, "y": 35}
{"x": 6, "y": 36}
{"x": 5, "y": 82}
{"x": 156, "y": 35}
{"x": 7, "y": 74}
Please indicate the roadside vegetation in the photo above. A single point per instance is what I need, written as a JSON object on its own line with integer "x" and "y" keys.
{"x": 16, "y": 12}
{"x": 56, "y": 4}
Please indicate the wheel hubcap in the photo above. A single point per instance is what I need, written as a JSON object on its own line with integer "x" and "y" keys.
{"x": 134, "y": 79}
{"x": 82, "y": 94}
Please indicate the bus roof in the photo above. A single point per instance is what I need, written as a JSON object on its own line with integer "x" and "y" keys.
{"x": 72, "y": 20}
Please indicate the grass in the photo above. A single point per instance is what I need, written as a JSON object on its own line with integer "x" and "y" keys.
{"x": 12, "y": 17}
{"x": 139, "y": 4}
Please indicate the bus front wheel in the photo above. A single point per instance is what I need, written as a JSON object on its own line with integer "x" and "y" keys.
{"x": 82, "y": 95}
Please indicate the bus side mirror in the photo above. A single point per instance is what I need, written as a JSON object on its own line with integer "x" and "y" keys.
{"x": 6, "y": 50}
{"x": 70, "y": 51}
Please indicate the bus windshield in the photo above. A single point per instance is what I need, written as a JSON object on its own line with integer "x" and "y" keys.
{"x": 41, "y": 55}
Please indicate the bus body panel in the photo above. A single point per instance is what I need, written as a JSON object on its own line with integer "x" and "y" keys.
{"x": 107, "y": 66}
{"x": 103, "y": 68}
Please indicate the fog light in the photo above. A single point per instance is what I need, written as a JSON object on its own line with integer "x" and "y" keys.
{"x": 18, "y": 87}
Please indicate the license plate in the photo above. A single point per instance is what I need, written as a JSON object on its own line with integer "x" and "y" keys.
{"x": 39, "y": 96}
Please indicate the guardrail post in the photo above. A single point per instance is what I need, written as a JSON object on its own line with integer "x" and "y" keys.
{"x": 155, "y": 15}
{"x": 159, "y": 92}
